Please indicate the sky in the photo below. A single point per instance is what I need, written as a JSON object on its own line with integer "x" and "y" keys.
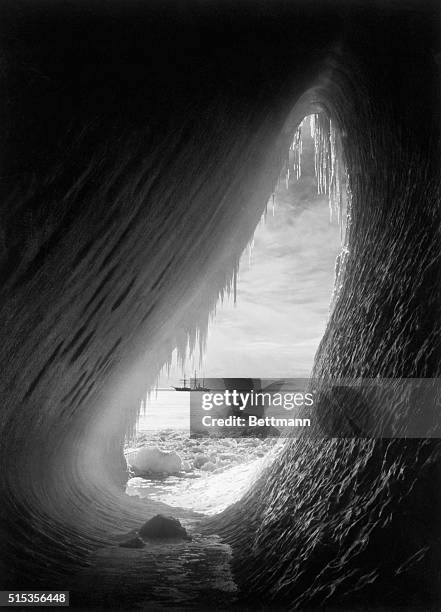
{"x": 283, "y": 291}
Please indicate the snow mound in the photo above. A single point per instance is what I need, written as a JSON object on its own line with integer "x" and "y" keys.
{"x": 154, "y": 461}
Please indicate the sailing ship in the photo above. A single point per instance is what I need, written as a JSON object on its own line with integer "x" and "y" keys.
{"x": 193, "y": 385}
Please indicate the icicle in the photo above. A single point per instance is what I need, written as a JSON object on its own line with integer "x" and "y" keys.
{"x": 262, "y": 219}
{"x": 203, "y": 333}
{"x": 296, "y": 153}
{"x": 250, "y": 251}
{"x": 312, "y": 125}
{"x": 328, "y": 164}
{"x": 332, "y": 181}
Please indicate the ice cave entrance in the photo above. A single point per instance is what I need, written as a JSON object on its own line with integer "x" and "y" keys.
{"x": 286, "y": 284}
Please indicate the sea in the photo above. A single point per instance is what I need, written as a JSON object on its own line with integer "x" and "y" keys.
{"x": 165, "y": 409}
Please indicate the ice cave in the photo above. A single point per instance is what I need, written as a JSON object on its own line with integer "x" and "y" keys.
{"x": 141, "y": 144}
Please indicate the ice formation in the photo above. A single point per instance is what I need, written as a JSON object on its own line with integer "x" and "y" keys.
{"x": 332, "y": 181}
{"x": 154, "y": 461}
{"x": 329, "y": 166}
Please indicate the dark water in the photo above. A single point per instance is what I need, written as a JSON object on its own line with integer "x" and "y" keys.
{"x": 180, "y": 576}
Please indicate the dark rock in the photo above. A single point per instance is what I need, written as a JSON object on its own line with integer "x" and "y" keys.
{"x": 133, "y": 543}
{"x": 163, "y": 527}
